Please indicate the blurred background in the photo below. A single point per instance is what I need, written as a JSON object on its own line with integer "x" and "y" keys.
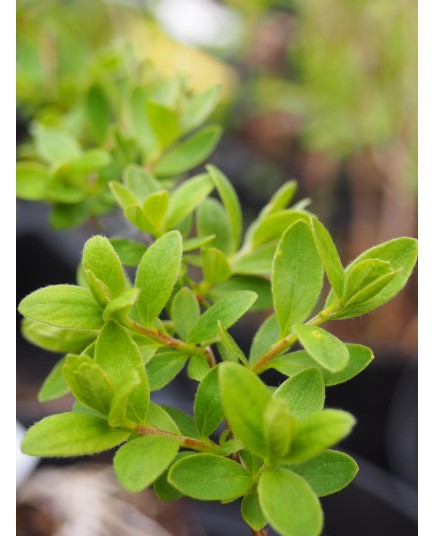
{"x": 323, "y": 92}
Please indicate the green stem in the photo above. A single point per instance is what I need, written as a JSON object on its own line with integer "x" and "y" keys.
{"x": 290, "y": 339}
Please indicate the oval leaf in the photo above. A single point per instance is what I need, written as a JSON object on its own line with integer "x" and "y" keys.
{"x": 303, "y": 394}
{"x": 208, "y": 409}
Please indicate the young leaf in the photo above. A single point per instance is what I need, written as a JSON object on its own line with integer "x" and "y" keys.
{"x": 230, "y": 201}
{"x": 123, "y": 196}
{"x": 100, "y": 291}
{"x": 245, "y": 399}
{"x": 140, "y": 182}
{"x": 212, "y": 219}
{"x": 279, "y": 427}
{"x": 119, "y": 308}
{"x": 260, "y": 285}
{"x": 155, "y": 207}
{"x": 230, "y": 345}
{"x": 54, "y": 339}
{"x": 129, "y": 252}
{"x": 63, "y": 306}
{"x": 71, "y": 434}
{"x": 189, "y": 153}
{"x": 209, "y": 477}
{"x": 328, "y": 473}
{"x": 187, "y": 197}
{"x": 164, "y": 367}
{"x": 198, "y": 108}
{"x": 54, "y": 145}
{"x": 266, "y": 336}
{"x": 274, "y": 225}
{"x": 216, "y": 268}
{"x": 208, "y": 409}
{"x": 32, "y": 181}
{"x": 139, "y": 462}
{"x": 164, "y": 124}
{"x": 100, "y": 257}
{"x": 281, "y": 199}
{"x": 54, "y": 385}
{"x": 157, "y": 274}
{"x": 118, "y": 406}
{"x": 325, "y": 348}
{"x": 303, "y": 394}
{"x": 256, "y": 262}
{"x": 185, "y": 312}
{"x": 319, "y": 431}
{"x": 197, "y": 242}
{"x": 297, "y": 274}
{"x": 289, "y": 504}
{"x": 228, "y": 310}
{"x": 140, "y": 121}
{"x": 251, "y": 511}
{"x": 88, "y": 383}
{"x": 98, "y": 112}
{"x": 329, "y": 256}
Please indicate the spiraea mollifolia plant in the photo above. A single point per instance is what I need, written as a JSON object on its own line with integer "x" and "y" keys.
{"x": 144, "y": 309}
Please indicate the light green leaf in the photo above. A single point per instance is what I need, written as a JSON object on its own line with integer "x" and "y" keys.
{"x": 184, "y": 422}
{"x": 209, "y": 477}
{"x": 228, "y": 310}
{"x": 245, "y": 399}
{"x": 208, "y": 409}
{"x": 88, "y": 383}
{"x": 297, "y": 275}
{"x": 251, "y": 511}
{"x": 197, "y": 242}
{"x": 100, "y": 257}
{"x": 272, "y": 226}
{"x": 165, "y": 491}
{"x": 255, "y": 262}
{"x": 32, "y": 181}
{"x": 198, "y": 108}
{"x": 71, "y": 434}
{"x": 138, "y": 463}
{"x": 185, "y": 312}
{"x": 303, "y": 393}
{"x": 257, "y": 284}
{"x": 100, "y": 291}
{"x": 328, "y": 473}
{"x": 280, "y": 199}
{"x": 64, "y": 306}
{"x": 157, "y": 274}
{"x": 230, "y": 345}
{"x": 230, "y": 201}
{"x": 54, "y": 385}
{"x": 123, "y": 196}
{"x": 160, "y": 418}
{"x": 198, "y": 367}
{"x": 325, "y": 348}
{"x": 289, "y": 504}
{"x": 119, "y": 308}
{"x": 164, "y": 124}
{"x": 65, "y": 216}
{"x": 129, "y": 252}
{"x": 155, "y": 207}
{"x": 279, "y": 427}
{"x": 54, "y": 145}
{"x": 90, "y": 161}
{"x": 164, "y": 367}
{"x": 212, "y": 219}
{"x": 189, "y": 153}
{"x": 140, "y": 121}
{"x": 329, "y": 256}
{"x": 119, "y": 402}
{"x": 265, "y": 337}
{"x": 187, "y": 197}
{"x": 140, "y": 182}
{"x": 319, "y": 431}
{"x": 216, "y": 268}
{"x": 98, "y": 112}
{"x": 59, "y": 340}
{"x": 136, "y": 215}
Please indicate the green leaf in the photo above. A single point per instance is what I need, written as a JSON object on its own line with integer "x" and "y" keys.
{"x": 319, "y": 431}
{"x": 65, "y": 216}
{"x": 281, "y": 199}
{"x": 32, "y": 181}
{"x": 209, "y": 477}
{"x": 184, "y": 421}
{"x": 117, "y": 354}
{"x": 230, "y": 201}
{"x": 256, "y": 262}
{"x": 198, "y": 108}
{"x": 279, "y": 427}
{"x": 198, "y": 367}
{"x": 137, "y": 216}
{"x": 329, "y": 256}
{"x": 189, "y": 153}
{"x": 88, "y": 383}
{"x": 253, "y": 463}
{"x": 187, "y": 197}
{"x": 164, "y": 124}
{"x": 140, "y": 182}
{"x": 54, "y": 145}
{"x": 155, "y": 207}
{"x": 230, "y": 345}
{"x": 216, "y": 268}
{"x": 165, "y": 491}
{"x": 71, "y": 434}
{"x": 197, "y": 242}
{"x": 123, "y": 196}
{"x": 157, "y": 274}
{"x": 228, "y": 310}
{"x": 100, "y": 257}
{"x": 160, "y": 418}
{"x": 54, "y": 385}
{"x": 140, "y": 121}
{"x": 328, "y": 473}
{"x": 325, "y": 348}
{"x": 245, "y": 399}
{"x": 98, "y": 112}
{"x": 212, "y": 219}
{"x": 303, "y": 394}
{"x": 289, "y": 504}
{"x": 164, "y": 367}
{"x": 59, "y": 340}
{"x": 90, "y": 161}
{"x": 251, "y": 511}
{"x": 257, "y": 284}
{"x": 119, "y": 402}
{"x": 119, "y": 308}
{"x": 265, "y": 337}
{"x": 274, "y": 225}
{"x": 100, "y": 291}
{"x": 139, "y": 462}
{"x": 208, "y": 409}
{"x": 63, "y": 306}
{"x": 297, "y": 274}
{"x": 129, "y": 252}
{"x": 185, "y": 312}
{"x": 402, "y": 255}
